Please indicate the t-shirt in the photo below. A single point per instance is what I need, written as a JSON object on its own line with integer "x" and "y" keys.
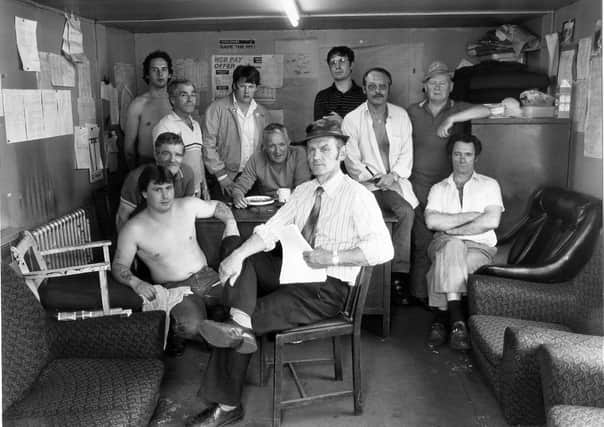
{"x": 331, "y": 99}
{"x": 430, "y": 160}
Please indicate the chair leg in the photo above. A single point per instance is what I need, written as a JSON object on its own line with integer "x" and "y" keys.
{"x": 261, "y": 361}
{"x": 277, "y": 380}
{"x": 356, "y": 374}
{"x": 104, "y": 291}
{"x": 337, "y": 358}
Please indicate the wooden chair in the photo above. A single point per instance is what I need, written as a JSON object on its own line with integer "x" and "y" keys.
{"x": 33, "y": 266}
{"x": 347, "y": 323}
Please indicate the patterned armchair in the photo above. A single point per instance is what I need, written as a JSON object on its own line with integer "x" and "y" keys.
{"x": 101, "y": 371}
{"x": 510, "y": 319}
{"x": 573, "y": 382}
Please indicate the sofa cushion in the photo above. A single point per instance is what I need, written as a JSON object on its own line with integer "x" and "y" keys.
{"x": 86, "y": 387}
{"x": 82, "y": 292}
{"x": 487, "y": 333}
{"x": 24, "y": 345}
{"x": 575, "y": 416}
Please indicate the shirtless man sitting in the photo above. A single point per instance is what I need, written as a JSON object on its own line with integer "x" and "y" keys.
{"x": 163, "y": 236}
{"x": 146, "y": 110}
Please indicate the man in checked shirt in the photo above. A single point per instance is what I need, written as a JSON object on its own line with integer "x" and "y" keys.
{"x": 343, "y": 223}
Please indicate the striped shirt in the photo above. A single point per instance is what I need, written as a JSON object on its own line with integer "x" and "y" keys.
{"x": 192, "y": 140}
{"x": 349, "y": 218}
{"x": 331, "y": 99}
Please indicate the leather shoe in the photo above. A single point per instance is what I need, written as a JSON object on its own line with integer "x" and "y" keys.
{"x": 215, "y": 417}
{"x": 437, "y": 335}
{"x": 459, "y": 340}
{"x": 228, "y": 334}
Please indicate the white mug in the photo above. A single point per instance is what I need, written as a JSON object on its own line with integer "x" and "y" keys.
{"x": 283, "y": 194}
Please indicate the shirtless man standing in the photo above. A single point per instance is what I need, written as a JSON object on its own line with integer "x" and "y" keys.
{"x": 147, "y": 109}
{"x": 164, "y": 237}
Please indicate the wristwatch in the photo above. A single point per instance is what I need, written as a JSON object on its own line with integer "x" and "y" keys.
{"x": 335, "y": 259}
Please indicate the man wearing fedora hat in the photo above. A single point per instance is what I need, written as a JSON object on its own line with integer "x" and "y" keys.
{"x": 343, "y": 224}
{"x": 434, "y": 119}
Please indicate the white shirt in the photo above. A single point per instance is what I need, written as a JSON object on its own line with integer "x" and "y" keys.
{"x": 349, "y": 218}
{"x": 479, "y": 192}
{"x": 247, "y": 126}
{"x": 192, "y": 139}
{"x": 363, "y": 150}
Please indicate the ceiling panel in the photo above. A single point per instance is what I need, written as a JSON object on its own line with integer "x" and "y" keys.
{"x": 203, "y": 15}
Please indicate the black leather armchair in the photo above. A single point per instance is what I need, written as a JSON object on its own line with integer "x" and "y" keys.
{"x": 554, "y": 240}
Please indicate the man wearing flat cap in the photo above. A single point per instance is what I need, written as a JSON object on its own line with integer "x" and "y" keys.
{"x": 341, "y": 221}
{"x": 434, "y": 119}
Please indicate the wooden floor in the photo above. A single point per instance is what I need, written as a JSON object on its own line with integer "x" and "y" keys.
{"x": 404, "y": 384}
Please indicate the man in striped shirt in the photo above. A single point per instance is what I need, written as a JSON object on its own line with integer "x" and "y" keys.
{"x": 343, "y": 223}
{"x": 344, "y": 95}
{"x": 183, "y": 99}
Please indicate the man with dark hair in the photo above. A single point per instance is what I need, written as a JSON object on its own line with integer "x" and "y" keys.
{"x": 183, "y": 98}
{"x": 433, "y": 119}
{"x": 276, "y": 165}
{"x": 147, "y": 109}
{"x": 463, "y": 210}
{"x": 380, "y": 155}
{"x": 163, "y": 236}
{"x": 342, "y": 223}
{"x": 344, "y": 95}
{"x": 169, "y": 153}
{"x": 232, "y": 132}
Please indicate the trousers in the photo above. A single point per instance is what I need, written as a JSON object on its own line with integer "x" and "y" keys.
{"x": 392, "y": 202}
{"x": 452, "y": 260}
{"x": 275, "y": 308}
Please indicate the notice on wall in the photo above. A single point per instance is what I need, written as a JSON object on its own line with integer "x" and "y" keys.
{"x": 27, "y": 44}
{"x": 593, "y": 120}
{"x": 34, "y": 114}
{"x": 44, "y": 76}
{"x": 110, "y": 93}
{"x": 87, "y": 150}
{"x": 270, "y": 67}
{"x": 84, "y": 85}
{"x": 300, "y": 58}
{"x": 73, "y": 41}
{"x": 62, "y": 71}
{"x": 195, "y": 70}
{"x": 237, "y": 44}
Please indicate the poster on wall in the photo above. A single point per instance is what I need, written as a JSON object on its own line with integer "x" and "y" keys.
{"x": 27, "y": 44}
{"x": 299, "y": 58}
{"x": 270, "y": 67}
{"x": 592, "y": 146}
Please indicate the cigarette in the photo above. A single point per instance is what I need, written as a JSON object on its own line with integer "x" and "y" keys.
{"x": 213, "y": 285}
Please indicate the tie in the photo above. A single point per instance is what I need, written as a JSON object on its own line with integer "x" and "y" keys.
{"x": 309, "y": 230}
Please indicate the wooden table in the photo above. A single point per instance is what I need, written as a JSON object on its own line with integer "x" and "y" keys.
{"x": 209, "y": 233}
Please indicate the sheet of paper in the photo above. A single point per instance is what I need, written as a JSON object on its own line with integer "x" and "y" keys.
{"x": 124, "y": 75}
{"x": 52, "y": 127}
{"x": 579, "y": 100}
{"x": 1, "y": 102}
{"x": 81, "y": 147}
{"x": 14, "y": 115}
{"x": 109, "y": 93}
{"x": 65, "y": 111}
{"x": 565, "y": 67}
{"x": 44, "y": 76}
{"x": 84, "y": 86}
{"x": 592, "y": 142}
{"x": 27, "y": 44}
{"x": 583, "y": 56}
{"x": 551, "y": 41}
{"x": 86, "y": 111}
{"x": 73, "y": 41}
{"x": 34, "y": 115}
{"x": 62, "y": 71}
{"x": 300, "y": 58}
{"x": 96, "y": 161}
{"x": 293, "y": 268}
{"x": 126, "y": 98}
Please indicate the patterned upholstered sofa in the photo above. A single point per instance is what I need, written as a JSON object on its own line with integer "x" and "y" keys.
{"x": 510, "y": 319}
{"x": 102, "y": 371}
{"x": 573, "y": 383}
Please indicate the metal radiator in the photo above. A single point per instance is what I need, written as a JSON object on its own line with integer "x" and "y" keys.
{"x": 68, "y": 230}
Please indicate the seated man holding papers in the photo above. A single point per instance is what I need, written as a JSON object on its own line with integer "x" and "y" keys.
{"x": 341, "y": 220}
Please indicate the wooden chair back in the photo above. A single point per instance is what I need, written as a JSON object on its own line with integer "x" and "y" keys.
{"x": 27, "y": 258}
